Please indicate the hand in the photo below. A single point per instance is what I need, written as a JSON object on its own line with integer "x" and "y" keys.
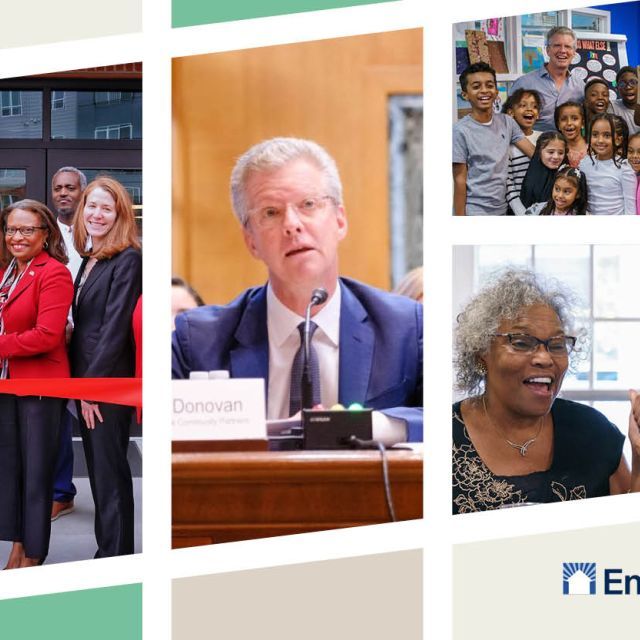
{"x": 68, "y": 330}
{"x": 634, "y": 439}
{"x": 90, "y": 411}
{"x": 634, "y": 422}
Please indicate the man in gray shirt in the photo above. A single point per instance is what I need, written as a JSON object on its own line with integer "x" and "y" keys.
{"x": 554, "y": 82}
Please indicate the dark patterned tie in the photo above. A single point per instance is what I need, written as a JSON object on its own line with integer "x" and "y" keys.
{"x": 295, "y": 400}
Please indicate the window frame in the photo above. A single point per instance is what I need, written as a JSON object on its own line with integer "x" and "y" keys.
{"x": 47, "y": 86}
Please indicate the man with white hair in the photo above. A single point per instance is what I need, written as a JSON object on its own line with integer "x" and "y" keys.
{"x": 554, "y": 82}
{"x": 287, "y": 196}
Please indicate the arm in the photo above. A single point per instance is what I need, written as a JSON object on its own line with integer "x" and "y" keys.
{"x": 513, "y": 187}
{"x": 54, "y": 299}
{"x": 179, "y": 366}
{"x": 401, "y": 419}
{"x": 459, "y": 188}
{"x": 629, "y": 189}
{"x": 413, "y": 415}
{"x": 525, "y": 146}
{"x": 634, "y": 438}
{"x": 622, "y": 479}
{"x": 115, "y": 331}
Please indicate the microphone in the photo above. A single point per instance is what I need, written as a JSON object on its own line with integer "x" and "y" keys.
{"x": 318, "y": 296}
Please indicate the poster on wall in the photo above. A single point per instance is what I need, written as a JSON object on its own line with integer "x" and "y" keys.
{"x": 599, "y": 59}
{"x": 480, "y": 41}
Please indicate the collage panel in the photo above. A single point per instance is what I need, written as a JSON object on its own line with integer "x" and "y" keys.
{"x": 546, "y": 115}
{"x": 70, "y": 314}
{"x": 545, "y": 368}
{"x": 29, "y": 618}
{"x": 287, "y": 161}
{"x": 187, "y": 13}
{"x": 334, "y": 590}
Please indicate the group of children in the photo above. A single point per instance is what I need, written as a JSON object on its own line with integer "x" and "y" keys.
{"x": 589, "y": 164}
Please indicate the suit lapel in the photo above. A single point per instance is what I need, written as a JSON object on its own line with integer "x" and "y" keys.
{"x": 356, "y": 349}
{"x": 99, "y": 269}
{"x": 250, "y": 358}
{"x": 29, "y": 276}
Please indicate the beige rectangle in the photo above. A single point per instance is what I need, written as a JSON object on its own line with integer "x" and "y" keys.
{"x": 372, "y": 597}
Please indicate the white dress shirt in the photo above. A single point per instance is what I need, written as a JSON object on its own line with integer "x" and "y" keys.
{"x": 75, "y": 259}
{"x": 284, "y": 342}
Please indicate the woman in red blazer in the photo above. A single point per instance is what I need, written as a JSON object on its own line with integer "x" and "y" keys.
{"x": 35, "y": 297}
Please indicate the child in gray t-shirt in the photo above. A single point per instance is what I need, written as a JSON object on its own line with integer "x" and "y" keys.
{"x": 481, "y": 143}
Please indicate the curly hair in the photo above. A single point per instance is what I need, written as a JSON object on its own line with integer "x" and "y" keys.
{"x": 507, "y": 293}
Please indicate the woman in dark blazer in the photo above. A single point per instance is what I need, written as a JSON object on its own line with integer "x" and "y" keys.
{"x": 106, "y": 291}
{"x": 35, "y": 296}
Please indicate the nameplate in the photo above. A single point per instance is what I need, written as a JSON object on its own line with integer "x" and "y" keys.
{"x": 230, "y": 409}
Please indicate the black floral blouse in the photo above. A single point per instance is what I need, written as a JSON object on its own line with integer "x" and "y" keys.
{"x": 586, "y": 451}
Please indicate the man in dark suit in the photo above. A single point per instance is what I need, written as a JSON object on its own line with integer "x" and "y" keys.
{"x": 287, "y": 195}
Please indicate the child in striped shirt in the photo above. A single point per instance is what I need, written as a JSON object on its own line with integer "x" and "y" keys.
{"x": 524, "y": 107}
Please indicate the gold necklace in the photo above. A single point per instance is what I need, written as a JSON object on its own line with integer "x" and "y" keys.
{"x": 522, "y": 448}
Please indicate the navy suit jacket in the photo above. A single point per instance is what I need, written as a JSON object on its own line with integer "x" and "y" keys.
{"x": 380, "y": 347}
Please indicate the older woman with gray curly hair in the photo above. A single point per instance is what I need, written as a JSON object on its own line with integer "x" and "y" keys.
{"x": 514, "y": 441}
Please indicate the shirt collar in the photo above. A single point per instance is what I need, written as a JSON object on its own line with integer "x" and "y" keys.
{"x": 282, "y": 322}
{"x": 544, "y": 71}
{"x": 64, "y": 228}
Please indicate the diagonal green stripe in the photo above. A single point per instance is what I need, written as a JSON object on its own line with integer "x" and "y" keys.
{"x": 96, "y": 614}
{"x": 187, "y": 13}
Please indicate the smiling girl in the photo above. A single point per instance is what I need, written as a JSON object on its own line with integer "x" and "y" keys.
{"x": 550, "y": 154}
{"x": 612, "y": 181}
{"x": 569, "y": 119}
{"x": 568, "y": 196}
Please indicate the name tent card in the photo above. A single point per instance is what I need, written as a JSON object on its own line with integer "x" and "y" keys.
{"x": 231, "y": 409}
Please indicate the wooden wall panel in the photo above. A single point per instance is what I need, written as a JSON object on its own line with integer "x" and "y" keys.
{"x": 332, "y": 91}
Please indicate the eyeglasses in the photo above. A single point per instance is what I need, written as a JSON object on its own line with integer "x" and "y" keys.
{"x": 25, "y": 232}
{"x": 627, "y": 83}
{"x": 273, "y": 215}
{"x": 524, "y": 343}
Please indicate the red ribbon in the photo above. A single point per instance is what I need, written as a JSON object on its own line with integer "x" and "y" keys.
{"x": 127, "y": 391}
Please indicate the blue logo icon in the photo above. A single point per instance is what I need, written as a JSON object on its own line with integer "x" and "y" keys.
{"x": 578, "y": 578}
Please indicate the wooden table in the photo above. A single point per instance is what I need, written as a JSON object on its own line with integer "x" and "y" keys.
{"x": 223, "y": 497}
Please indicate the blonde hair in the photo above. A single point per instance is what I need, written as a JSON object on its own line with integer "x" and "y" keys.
{"x": 411, "y": 285}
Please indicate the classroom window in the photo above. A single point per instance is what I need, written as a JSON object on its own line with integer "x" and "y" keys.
{"x": 594, "y": 20}
{"x": 534, "y": 28}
